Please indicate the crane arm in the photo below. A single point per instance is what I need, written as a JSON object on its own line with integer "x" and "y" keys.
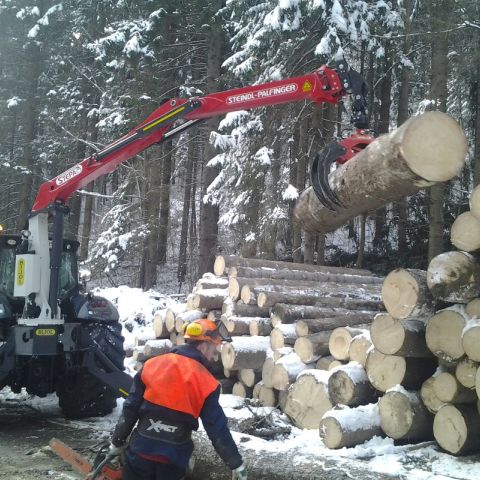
{"x": 175, "y": 115}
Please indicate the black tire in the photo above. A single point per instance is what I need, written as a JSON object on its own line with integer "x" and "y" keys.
{"x": 82, "y": 395}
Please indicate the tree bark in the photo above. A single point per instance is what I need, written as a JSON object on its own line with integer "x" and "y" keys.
{"x": 391, "y": 167}
{"x": 311, "y": 347}
{"x": 315, "y": 325}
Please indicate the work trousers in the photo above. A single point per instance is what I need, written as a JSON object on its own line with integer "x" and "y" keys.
{"x": 137, "y": 468}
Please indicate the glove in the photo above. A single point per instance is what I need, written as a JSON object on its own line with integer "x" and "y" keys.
{"x": 239, "y": 473}
{"x": 114, "y": 451}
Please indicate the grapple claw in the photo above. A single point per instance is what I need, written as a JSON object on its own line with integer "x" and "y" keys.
{"x": 319, "y": 175}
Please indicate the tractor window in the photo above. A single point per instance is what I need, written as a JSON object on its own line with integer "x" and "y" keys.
{"x": 7, "y": 271}
{"x": 68, "y": 274}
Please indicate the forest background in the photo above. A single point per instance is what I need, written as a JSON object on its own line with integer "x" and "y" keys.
{"x": 76, "y": 75}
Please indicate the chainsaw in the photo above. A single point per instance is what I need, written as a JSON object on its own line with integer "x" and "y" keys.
{"x": 104, "y": 467}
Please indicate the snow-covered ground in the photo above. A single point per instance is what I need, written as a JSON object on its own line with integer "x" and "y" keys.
{"x": 381, "y": 455}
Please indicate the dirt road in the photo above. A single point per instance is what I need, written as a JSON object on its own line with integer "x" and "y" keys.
{"x": 26, "y": 427}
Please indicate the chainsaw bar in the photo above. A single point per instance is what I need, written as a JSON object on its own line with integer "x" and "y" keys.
{"x": 319, "y": 175}
{"x": 73, "y": 458}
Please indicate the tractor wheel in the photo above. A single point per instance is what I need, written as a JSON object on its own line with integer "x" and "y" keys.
{"x": 81, "y": 395}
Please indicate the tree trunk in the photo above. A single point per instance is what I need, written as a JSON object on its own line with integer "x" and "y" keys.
{"x": 386, "y": 371}
{"x": 227, "y": 261}
{"x": 315, "y": 325}
{"x": 209, "y": 299}
{"x": 340, "y": 339}
{"x": 282, "y": 335}
{"x": 444, "y": 334}
{"x": 438, "y": 94}
{"x": 243, "y": 274}
{"x": 456, "y": 428}
{"x": 209, "y": 212}
{"x": 260, "y": 326}
{"x": 449, "y": 390}
{"x": 311, "y": 347}
{"x": 405, "y": 338}
{"x": 308, "y": 399}
{"x": 349, "y": 385}
{"x": 405, "y": 294}
{"x": 465, "y": 233}
{"x": 404, "y": 417}
{"x": 157, "y": 347}
{"x": 350, "y": 426}
{"x": 243, "y": 353}
{"x": 465, "y": 372}
{"x": 471, "y": 339}
{"x": 391, "y": 167}
{"x": 429, "y": 397}
{"x": 286, "y": 370}
{"x": 358, "y": 349}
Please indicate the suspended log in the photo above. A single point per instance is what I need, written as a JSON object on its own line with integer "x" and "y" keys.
{"x": 405, "y": 294}
{"x": 429, "y": 397}
{"x": 249, "y": 377}
{"x": 443, "y": 333}
{"x": 241, "y": 310}
{"x": 282, "y": 335}
{"x": 399, "y": 337}
{"x": 286, "y": 371}
{"x": 311, "y": 347}
{"x": 340, "y": 339}
{"x": 211, "y": 299}
{"x": 404, "y": 417}
{"x": 386, "y": 371}
{"x": 358, "y": 348}
{"x": 454, "y": 277}
{"x": 465, "y": 232}
{"x": 245, "y": 352}
{"x": 350, "y": 426}
{"x": 348, "y": 276}
{"x": 314, "y": 325}
{"x": 260, "y": 326}
{"x": 267, "y": 396}
{"x": 227, "y": 261}
{"x": 465, "y": 372}
{"x": 349, "y": 385}
{"x": 287, "y": 313}
{"x": 308, "y": 398}
{"x": 424, "y": 150}
{"x": 456, "y": 428}
{"x": 471, "y": 339}
{"x": 157, "y": 347}
{"x": 449, "y": 390}
{"x": 159, "y": 327}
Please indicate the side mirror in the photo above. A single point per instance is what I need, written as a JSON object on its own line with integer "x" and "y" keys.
{"x": 85, "y": 276}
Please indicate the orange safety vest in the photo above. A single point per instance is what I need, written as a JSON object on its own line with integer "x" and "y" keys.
{"x": 177, "y": 382}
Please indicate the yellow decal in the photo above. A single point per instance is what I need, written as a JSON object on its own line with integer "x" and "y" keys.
{"x": 45, "y": 332}
{"x": 21, "y": 272}
{"x": 307, "y": 86}
{"x": 194, "y": 329}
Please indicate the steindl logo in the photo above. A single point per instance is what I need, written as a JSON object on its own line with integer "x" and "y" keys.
{"x": 265, "y": 93}
{"x": 65, "y": 177}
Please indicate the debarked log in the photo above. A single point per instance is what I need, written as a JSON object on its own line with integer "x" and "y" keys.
{"x": 426, "y": 149}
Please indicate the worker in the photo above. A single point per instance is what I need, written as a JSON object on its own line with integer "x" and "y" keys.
{"x": 167, "y": 397}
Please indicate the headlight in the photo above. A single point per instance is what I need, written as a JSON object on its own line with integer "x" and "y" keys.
{"x": 2, "y": 309}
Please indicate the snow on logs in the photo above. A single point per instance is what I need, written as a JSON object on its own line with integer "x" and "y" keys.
{"x": 426, "y": 149}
